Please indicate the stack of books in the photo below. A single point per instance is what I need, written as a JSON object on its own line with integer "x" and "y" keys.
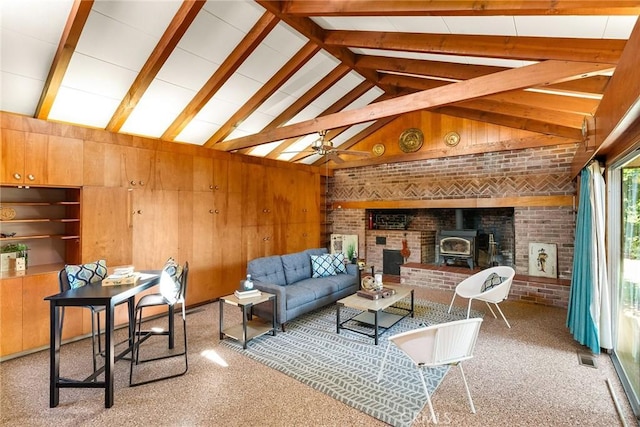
{"x": 251, "y": 293}
{"x": 121, "y": 276}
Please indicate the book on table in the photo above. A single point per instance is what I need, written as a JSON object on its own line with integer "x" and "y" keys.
{"x": 373, "y": 294}
{"x": 251, "y": 293}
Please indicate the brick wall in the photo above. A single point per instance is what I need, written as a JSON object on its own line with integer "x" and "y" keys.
{"x": 524, "y": 288}
{"x": 544, "y": 171}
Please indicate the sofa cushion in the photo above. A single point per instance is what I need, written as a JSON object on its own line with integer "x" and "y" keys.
{"x": 338, "y": 262}
{"x": 296, "y": 267}
{"x": 322, "y": 266}
{"x": 492, "y": 281}
{"x": 268, "y": 270}
{"x": 298, "y": 295}
{"x": 320, "y": 287}
{"x": 344, "y": 281}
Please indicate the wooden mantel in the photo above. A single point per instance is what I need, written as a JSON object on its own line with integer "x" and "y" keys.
{"x": 483, "y": 202}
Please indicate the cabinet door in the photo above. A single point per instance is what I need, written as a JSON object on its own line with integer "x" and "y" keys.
{"x": 35, "y": 158}
{"x": 302, "y": 236}
{"x": 281, "y": 193}
{"x": 12, "y": 158}
{"x": 202, "y": 173}
{"x": 102, "y": 164}
{"x": 106, "y": 225}
{"x": 64, "y": 161}
{"x": 138, "y": 167}
{"x": 35, "y": 317}
{"x": 253, "y": 194}
{"x": 174, "y": 171}
{"x": 220, "y": 175}
{"x": 10, "y": 316}
{"x": 201, "y": 265}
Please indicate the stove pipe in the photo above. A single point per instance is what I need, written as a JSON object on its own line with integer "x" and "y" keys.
{"x": 459, "y": 219}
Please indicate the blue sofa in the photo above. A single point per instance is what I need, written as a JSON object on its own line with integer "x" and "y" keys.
{"x": 289, "y": 277}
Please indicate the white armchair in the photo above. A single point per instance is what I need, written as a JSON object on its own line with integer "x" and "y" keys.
{"x": 494, "y": 291}
{"x": 444, "y": 344}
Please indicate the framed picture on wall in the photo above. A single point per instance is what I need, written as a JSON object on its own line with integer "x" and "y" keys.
{"x": 345, "y": 243}
{"x": 543, "y": 260}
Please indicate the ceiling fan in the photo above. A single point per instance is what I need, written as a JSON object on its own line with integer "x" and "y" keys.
{"x": 324, "y": 147}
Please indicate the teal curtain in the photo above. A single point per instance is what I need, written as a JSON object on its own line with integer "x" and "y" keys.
{"x": 580, "y": 317}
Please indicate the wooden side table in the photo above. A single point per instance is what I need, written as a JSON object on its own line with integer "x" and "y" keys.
{"x": 250, "y": 327}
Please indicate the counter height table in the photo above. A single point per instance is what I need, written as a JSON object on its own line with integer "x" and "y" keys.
{"x": 97, "y": 295}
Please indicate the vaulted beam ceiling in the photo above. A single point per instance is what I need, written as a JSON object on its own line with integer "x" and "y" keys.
{"x": 237, "y": 75}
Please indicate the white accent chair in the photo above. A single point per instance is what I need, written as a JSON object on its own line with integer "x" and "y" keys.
{"x": 444, "y": 344}
{"x": 472, "y": 288}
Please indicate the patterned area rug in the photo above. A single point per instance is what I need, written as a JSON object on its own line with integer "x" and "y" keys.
{"x": 345, "y": 366}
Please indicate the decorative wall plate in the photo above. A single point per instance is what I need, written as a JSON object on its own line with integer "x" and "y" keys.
{"x": 411, "y": 140}
{"x": 378, "y": 150}
{"x": 7, "y": 214}
{"x": 452, "y": 139}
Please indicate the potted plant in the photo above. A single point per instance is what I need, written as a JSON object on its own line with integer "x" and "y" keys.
{"x": 14, "y": 250}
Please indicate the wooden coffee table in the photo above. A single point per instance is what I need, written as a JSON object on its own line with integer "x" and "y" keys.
{"x": 372, "y": 312}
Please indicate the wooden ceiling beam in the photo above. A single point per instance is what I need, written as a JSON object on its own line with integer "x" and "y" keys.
{"x": 303, "y": 56}
{"x": 68, "y": 42}
{"x": 249, "y": 43}
{"x": 593, "y": 86}
{"x": 178, "y": 26}
{"x": 504, "y": 47}
{"x": 533, "y": 75}
{"x": 340, "y": 104}
{"x": 525, "y": 98}
{"x": 458, "y": 7}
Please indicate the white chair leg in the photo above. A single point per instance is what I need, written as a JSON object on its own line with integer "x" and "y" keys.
{"x": 384, "y": 359}
{"x": 473, "y": 408}
{"x": 491, "y": 310}
{"x": 502, "y": 314}
{"x": 469, "y": 308}
{"x": 451, "y": 305}
{"x": 426, "y": 392}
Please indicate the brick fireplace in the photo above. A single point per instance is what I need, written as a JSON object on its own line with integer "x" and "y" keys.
{"x": 524, "y": 176}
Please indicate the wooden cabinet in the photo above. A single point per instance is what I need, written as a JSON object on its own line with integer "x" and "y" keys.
{"x": 174, "y": 171}
{"x": 35, "y": 318}
{"x": 106, "y": 226}
{"x": 138, "y": 166}
{"x": 10, "y": 316}
{"x": 38, "y": 159}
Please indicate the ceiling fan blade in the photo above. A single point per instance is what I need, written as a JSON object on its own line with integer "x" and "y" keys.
{"x": 298, "y": 152}
{"x": 334, "y": 156}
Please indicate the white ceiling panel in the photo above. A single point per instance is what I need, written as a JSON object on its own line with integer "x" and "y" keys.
{"x": 308, "y": 113}
{"x": 350, "y": 132}
{"x": 241, "y": 14}
{"x": 94, "y": 76}
{"x": 370, "y": 23}
{"x": 276, "y": 104}
{"x": 561, "y": 26}
{"x": 238, "y": 89}
{"x": 157, "y": 109}
{"x": 75, "y": 106}
{"x": 423, "y": 24}
{"x": 481, "y": 25}
{"x": 187, "y": 70}
{"x": 19, "y": 94}
{"x": 285, "y": 40}
{"x": 619, "y": 27}
{"x": 310, "y": 74}
{"x": 112, "y": 41}
{"x": 217, "y": 111}
{"x": 197, "y": 132}
{"x": 365, "y": 99}
{"x": 25, "y": 56}
{"x": 40, "y": 19}
{"x": 254, "y": 123}
{"x": 262, "y": 64}
{"x": 150, "y": 17}
{"x": 264, "y": 149}
{"x": 211, "y": 38}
